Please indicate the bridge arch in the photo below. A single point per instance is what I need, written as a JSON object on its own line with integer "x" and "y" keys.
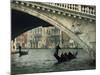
{"x": 53, "y": 22}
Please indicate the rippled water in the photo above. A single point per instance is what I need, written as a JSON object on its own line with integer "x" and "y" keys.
{"x": 42, "y": 60}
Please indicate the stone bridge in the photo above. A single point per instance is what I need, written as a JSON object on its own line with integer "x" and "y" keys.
{"x": 77, "y": 21}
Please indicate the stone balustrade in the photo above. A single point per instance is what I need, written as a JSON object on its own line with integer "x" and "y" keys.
{"x": 88, "y": 9}
{"x": 84, "y": 9}
{"x": 91, "y": 10}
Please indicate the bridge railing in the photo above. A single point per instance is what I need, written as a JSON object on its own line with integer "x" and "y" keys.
{"x": 83, "y": 9}
{"x": 87, "y": 9}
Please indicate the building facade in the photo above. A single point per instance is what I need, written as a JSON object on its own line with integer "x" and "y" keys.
{"x": 45, "y": 37}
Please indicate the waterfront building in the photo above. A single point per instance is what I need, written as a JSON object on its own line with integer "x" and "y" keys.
{"x": 45, "y": 37}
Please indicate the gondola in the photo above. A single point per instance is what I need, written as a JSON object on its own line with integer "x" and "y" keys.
{"x": 23, "y": 53}
{"x": 64, "y": 57}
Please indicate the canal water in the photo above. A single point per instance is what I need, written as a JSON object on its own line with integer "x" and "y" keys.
{"x": 42, "y": 60}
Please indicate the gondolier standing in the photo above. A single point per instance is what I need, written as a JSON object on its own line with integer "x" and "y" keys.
{"x": 56, "y": 53}
{"x": 19, "y": 50}
{"x": 57, "y": 48}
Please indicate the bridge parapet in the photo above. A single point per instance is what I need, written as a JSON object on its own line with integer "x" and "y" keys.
{"x": 81, "y": 11}
{"x": 90, "y": 10}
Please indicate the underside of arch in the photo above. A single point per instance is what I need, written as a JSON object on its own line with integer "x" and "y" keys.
{"x": 22, "y": 22}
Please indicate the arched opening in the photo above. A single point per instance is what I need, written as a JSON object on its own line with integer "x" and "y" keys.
{"x": 22, "y": 22}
